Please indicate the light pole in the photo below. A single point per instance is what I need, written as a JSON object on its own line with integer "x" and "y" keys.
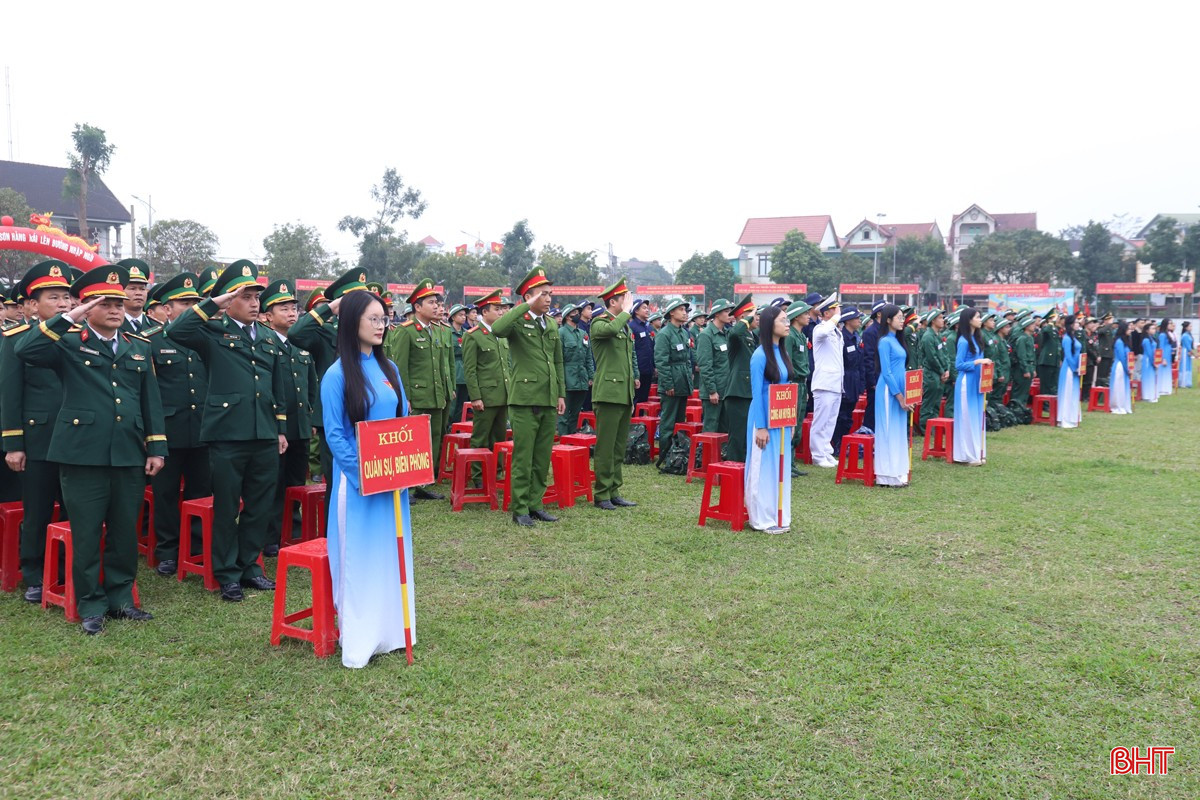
{"x": 149, "y": 230}
{"x": 875, "y": 271}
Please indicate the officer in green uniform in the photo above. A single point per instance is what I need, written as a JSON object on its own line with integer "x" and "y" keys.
{"x": 155, "y": 311}
{"x": 1002, "y": 361}
{"x": 991, "y": 342}
{"x": 742, "y": 342}
{"x": 577, "y": 367}
{"x": 420, "y": 349}
{"x": 136, "y": 289}
{"x": 445, "y": 332}
{"x": 950, "y": 339}
{"x": 538, "y": 393}
{"x": 281, "y": 307}
{"x": 1089, "y": 341}
{"x": 108, "y": 436}
{"x": 712, "y": 359}
{"x": 797, "y": 350}
{"x": 183, "y": 386}
{"x": 673, "y": 362}
{"x": 30, "y": 398}
{"x": 316, "y": 332}
{"x": 613, "y": 388}
{"x": 1106, "y": 339}
{"x": 458, "y": 319}
{"x": 1024, "y": 361}
{"x": 10, "y": 482}
{"x": 912, "y": 337}
{"x": 208, "y": 279}
{"x": 1050, "y": 354}
{"x": 245, "y": 423}
{"x": 485, "y": 368}
{"x": 932, "y": 357}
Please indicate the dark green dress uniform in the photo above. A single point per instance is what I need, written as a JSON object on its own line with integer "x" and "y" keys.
{"x": 991, "y": 349}
{"x": 1106, "y": 339}
{"x": 485, "y": 368}
{"x": 300, "y": 405}
{"x": 613, "y": 390}
{"x": 1003, "y": 362}
{"x": 673, "y": 361}
{"x": 446, "y": 332}
{"x": 1024, "y": 361}
{"x": 537, "y": 385}
{"x": 1049, "y": 357}
{"x": 316, "y": 331}
{"x": 912, "y": 339}
{"x": 183, "y": 386}
{"x": 933, "y": 358}
{"x": 243, "y": 419}
{"x": 139, "y": 272}
{"x": 712, "y": 357}
{"x": 111, "y": 421}
{"x": 950, "y": 339}
{"x": 578, "y": 370}
{"x": 30, "y": 397}
{"x": 742, "y": 343}
{"x": 10, "y": 482}
{"x": 796, "y": 345}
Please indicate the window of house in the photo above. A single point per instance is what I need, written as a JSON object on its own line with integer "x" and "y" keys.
{"x": 764, "y": 265}
{"x": 866, "y": 235}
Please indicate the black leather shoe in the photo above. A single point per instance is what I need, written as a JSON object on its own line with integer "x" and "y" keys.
{"x": 428, "y": 494}
{"x": 33, "y": 594}
{"x": 271, "y": 550}
{"x": 524, "y": 520}
{"x": 606, "y": 505}
{"x": 542, "y": 516}
{"x": 623, "y": 503}
{"x": 135, "y": 614}
{"x": 167, "y": 568}
{"x": 260, "y": 582}
{"x": 93, "y": 625}
{"x": 232, "y": 592}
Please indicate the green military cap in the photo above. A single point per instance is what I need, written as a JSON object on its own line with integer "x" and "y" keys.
{"x": 139, "y": 271}
{"x": 1010, "y": 312}
{"x": 377, "y": 288}
{"x": 107, "y": 281}
{"x": 75, "y": 273}
{"x": 280, "y": 291}
{"x": 697, "y": 313}
{"x": 490, "y": 299}
{"x": 238, "y": 274}
{"x": 744, "y": 306}
{"x": 1107, "y": 316}
{"x": 405, "y": 309}
{"x": 1003, "y": 323}
{"x": 52, "y": 274}
{"x": 719, "y": 305}
{"x": 535, "y": 278}
{"x": 1027, "y": 321}
{"x": 952, "y": 317}
{"x": 907, "y": 310}
{"x": 1051, "y": 314}
{"x": 671, "y": 306}
{"x": 352, "y": 280}
{"x": 182, "y": 287}
{"x": 314, "y": 297}
{"x": 614, "y": 289}
{"x": 151, "y": 299}
{"x": 506, "y": 301}
{"x": 457, "y": 307}
{"x": 567, "y": 309}
{"x": 933, "y": 314}
{"x": 208, "y": 279}
{"x": 654, "y": 316}
{"x": 9, "y": 296}
{"x": 797, "y": 308}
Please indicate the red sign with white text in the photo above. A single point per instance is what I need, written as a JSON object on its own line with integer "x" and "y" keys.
{"x": 1132, "y": 362}
{"x": 770, "y": 288}
{"x": 986, "y": 373}
{"x": 912, "y": 386}
{"x": 690, "y": 288}
{"x": 1023, "y": 289}
{"x": 1158, "y": 358}
{"x": 879, "y": 288}
{"x": 407, "y": 288}
{"x": 782, "y": 405}
{"x": 1082, "y": 363}
{"x": 1182, "y": 287}
{"x": 578, "y": 291}
{"x": 394, "y": 454}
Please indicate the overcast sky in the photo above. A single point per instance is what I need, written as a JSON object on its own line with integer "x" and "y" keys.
{"x": 658, "y": 127}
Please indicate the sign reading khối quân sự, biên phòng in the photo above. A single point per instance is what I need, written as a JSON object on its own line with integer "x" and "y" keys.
{"x": 394, "y": 454}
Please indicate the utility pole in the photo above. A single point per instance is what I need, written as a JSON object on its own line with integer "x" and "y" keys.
{"x": 8, "y": 101}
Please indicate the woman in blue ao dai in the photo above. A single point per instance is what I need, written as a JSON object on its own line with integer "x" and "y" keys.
{"x": 970, "y": 437}
{"x": 1120, "y": 398}
{"x": 768, "y": 508}
{"x": 1149, "y": 373}
{"x": 1166, "y": 343}
{"x": 892, "y": 457}
{"x": 1187, "y": 345}
{"x": 1068, "y": 377}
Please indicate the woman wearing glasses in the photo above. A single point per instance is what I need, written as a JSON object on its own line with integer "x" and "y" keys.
{"x": 364, "y": 385}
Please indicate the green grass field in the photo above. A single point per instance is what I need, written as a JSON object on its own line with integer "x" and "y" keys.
{"x": 986, "y": 633}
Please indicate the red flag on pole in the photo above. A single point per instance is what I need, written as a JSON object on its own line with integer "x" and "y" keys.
{"x": 461, "y": 250}
{"x": 497, "y": 248}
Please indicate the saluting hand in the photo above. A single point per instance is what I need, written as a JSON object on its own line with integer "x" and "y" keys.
{"x": 626, "y": 302}
{"x": 336, "y": 306}
{"x": 81, "y": 311}
{"x": 154, "y": 464}
{"x": 224, "y": 300}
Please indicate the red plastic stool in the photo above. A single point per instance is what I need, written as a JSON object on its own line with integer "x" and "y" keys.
{"x": 313, "y": 556}
{"x": 147, "y": 539}
{"x": 1098, "y": 399}
{"x": 942, "y": 409}
{"x": 504, "y": 451}
{"x": 11, "y": 516}
{"x": 62, "y": 593}
{"x": 586, "y": 416}
{"x": 861, "y": 403}
{"x": 468, "y": 412}
{"x": 694, "y": 413}
{"x": 201, "y": 507}
{"x": 850, "y": 466}
{"x": 728, "y": 477}
{"x": 1007, "y": 396}
{"x": 709, "y": 445}
{"x": 939, "y": 439}
{"x": 450, "y": 443}
{"x": 572, "y": 480}
{"x": 647, "y": 409}
{"x": 692, "y": 428}
{"x": 856, "y": 418}
{"x": 311, "y": 499}
{"x": 460, "y": 492}
{"x": 1047, "y": 403}
{"x": 805, "y": 451}
{"x": 1035, "y": 387}
{"x": 462, "y": 427}
{"x": 653, "y": 389}
{"x": 587, "y": 440}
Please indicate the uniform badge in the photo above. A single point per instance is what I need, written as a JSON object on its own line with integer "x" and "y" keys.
{"x": 89, "y": 351}
{"x": 113, "y": 278}
{"x": 188, "y": 283}
{"x": 55, "y": 272}
{"x": 138, "y": 357}
{"x": 246, "y": 273}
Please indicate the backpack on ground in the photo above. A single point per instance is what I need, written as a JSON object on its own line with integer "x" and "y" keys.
{"x": 637, "y": 446}
{"x": 675, "y": 462}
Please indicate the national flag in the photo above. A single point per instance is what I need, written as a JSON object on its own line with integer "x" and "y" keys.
{"x": 461, "y": 250}
{"x": 497, "y": 248}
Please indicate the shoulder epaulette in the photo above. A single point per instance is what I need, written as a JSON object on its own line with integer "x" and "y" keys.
{"x": 129, "y": 336}
{"x": 406, "y": 323}
{"x": 152, "y": 331}
{"x": 76, "y": 328}
{"x": 18, "y": 329}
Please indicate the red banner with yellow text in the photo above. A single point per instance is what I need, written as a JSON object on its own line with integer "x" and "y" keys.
{"x": 912, "y": 386}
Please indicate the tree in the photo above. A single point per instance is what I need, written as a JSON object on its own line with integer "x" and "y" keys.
{"x": 91, "y": 157}
{"x": 454, "y": 272}
{"x": 797, "y": 260}
{"x": 1024, "y": 256}
{"x": 177, "y": 245}
{"x": 712, "y": 270}
{"x": 385, "y": 252}
{"x": 295, "y": 251}
{"x": 1190, "y": 248}
{"x": 14, "y": 263}
{"x": 568, "y": 269}
{"x": 518, "y": 255}
{"x": 921, "y": 260}
{"x": 1162, "y": 250}
{"x": 1100, "y": 260}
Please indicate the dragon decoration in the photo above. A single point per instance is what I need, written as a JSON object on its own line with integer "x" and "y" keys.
{"x": 45, "y": 223}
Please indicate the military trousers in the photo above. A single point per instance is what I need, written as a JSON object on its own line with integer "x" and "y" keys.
{"x": 612, "y": 438}
{"x": 1020, "y": 389}
{"x": 293, "y": 471}
{"x": 488, "y": 427}
{"x": 1000, "y": 386}
{"x": 437, "y": 429}
{"x": 932, "y": 390}
{"x": 642, "y": 393}
{"x": 104, "y": 503}
{"x": 191, "y": 465}
{"x": 567, "y": 422}
{"x": 533, "y": 437}
{"x": 673, "y": 411}
{"x": 1048, "y": 376}
{"x": 326, "y": 467}
{"x": 1103, "y": 370}
{"x": 461, "y": 398}
{"x": 714, "y": 416}
{"x": 40, "y": 490}
{"x": 10, "y": 485}
{"x": 948, "y": 394}
{"x": 245, "y": 471}
{"x": 737, "y": 411}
